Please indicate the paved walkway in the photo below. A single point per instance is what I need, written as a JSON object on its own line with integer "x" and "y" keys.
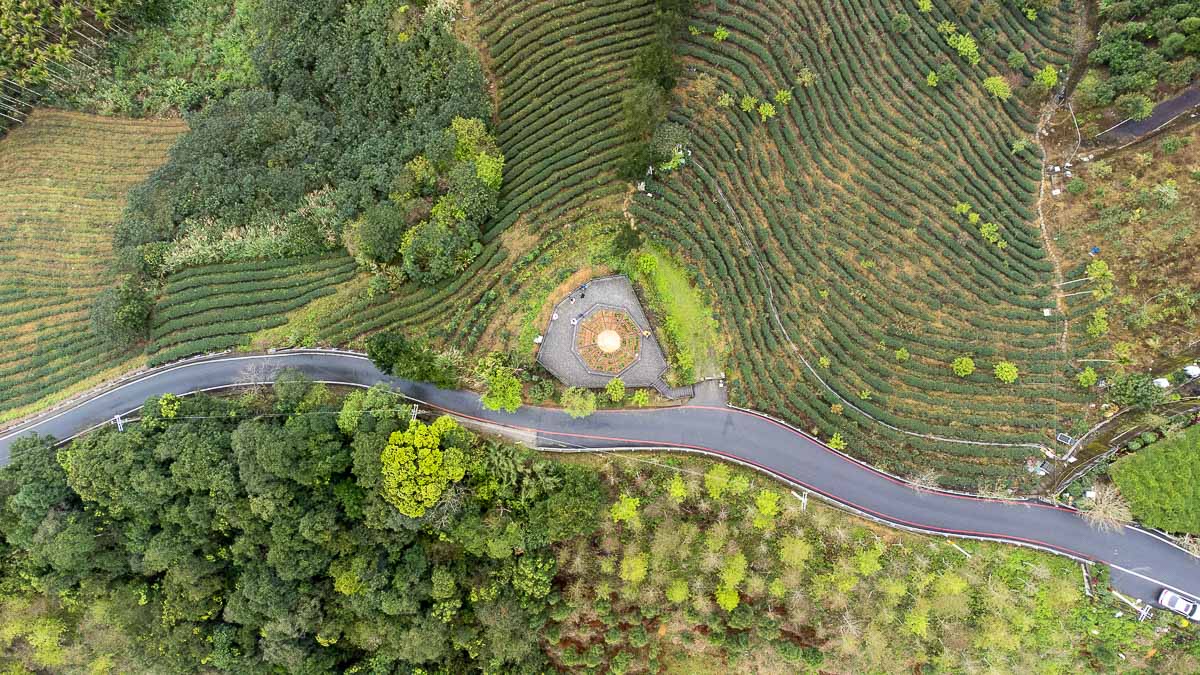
{"x": 558, "y": 354}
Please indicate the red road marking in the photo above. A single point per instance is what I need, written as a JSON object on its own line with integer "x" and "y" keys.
{"x": 893, "y": 519}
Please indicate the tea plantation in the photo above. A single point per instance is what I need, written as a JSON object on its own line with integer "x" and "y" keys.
{"x": 845, "y": 236}
{"x": 63, "y": 178}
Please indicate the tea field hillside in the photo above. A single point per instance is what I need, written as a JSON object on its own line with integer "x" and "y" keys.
{"x": 559, "y": 68}
{"x": 874, "y": 223}
{"x": 63, "y": 179}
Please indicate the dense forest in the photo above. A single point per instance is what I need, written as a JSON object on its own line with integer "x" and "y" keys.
{"x": 295, "y": 529}
{"x": 286, "y": 532}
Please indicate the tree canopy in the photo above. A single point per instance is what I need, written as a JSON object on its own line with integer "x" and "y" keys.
{"x": 1142, "y": 46}
{"x": 413, "y": 359}
{"x": 219, "y": 538}
{"x": 308, "y": 126}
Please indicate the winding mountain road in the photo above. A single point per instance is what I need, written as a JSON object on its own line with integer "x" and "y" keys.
{"x": 1142, "y": 562}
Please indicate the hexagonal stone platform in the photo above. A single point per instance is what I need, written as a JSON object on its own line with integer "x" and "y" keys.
{"x": 598, "y": 332}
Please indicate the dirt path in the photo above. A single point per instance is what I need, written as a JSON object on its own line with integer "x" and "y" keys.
{"x": 1085, "y": 42}
{"x": 1051, "y": 250}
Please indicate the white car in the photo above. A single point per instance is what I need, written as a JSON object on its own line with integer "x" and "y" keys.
{"x": 1178, "y": 604}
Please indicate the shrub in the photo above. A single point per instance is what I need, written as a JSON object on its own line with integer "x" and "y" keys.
{"x": 541, "y": 390}
{"x": 615, "y": 390}
{"x": 1101, "y": 168}
{"x": 1076, "y": 186}
{"x": 837, "y": 442}
{"x": 503, "y": 390}
{"x": 1172, "y": 144}
{"x": 625, "y": 510}
{"x": 677, "y": 592}
{"x": 716, "y": 480}
{"x": 963, "y": 366}
{"x": 121, "y": 315}
{"x": 578, "y": 402}
{"x": 395, "y": 354}
{"x": 1136, "y": 107}
{"x": 1016, "y": 60}
{"x": 998, "y": 87}
{"x": 1136, "y": 391}
{"x": 1166, "y": 193}
{"x": 634, "y": 567}
{"x": 1006, "y": 372}
{"x": 901, "y": 22}
{"x": 1046, "y": 78}
{"x": 965, "y": 45}
{"x": 1098, "y": 324}
{"x": 1087, "y": 377}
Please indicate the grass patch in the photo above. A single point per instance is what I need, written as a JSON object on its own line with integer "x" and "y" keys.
{"x": 685, "y": 321}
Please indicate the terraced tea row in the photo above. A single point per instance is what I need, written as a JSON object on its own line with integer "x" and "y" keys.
{"x": 216, "y": 307}
{"x": 63, "y": 179}
{"x": 857, "y": 203}
{"x": 560, "y": 67}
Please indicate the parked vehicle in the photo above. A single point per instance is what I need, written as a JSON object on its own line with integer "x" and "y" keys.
{"x": 1179, "y": 604}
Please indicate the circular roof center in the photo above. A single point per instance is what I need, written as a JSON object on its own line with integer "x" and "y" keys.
{"x": 608, "y": 341}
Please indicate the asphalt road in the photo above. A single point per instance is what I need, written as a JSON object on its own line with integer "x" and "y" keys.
{"x": 1163, "y": 112}
{"x": 1142, "y": 563}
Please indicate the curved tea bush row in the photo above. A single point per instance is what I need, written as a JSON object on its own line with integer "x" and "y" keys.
{"x": 560, "y": 67}
{"x": 847, "y": 199}
{"x": 213, "y": 307}
{"x": 63, "y": 179}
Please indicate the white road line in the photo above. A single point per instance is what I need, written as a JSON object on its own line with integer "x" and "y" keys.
{"x": 154, "y": 373}
{"x": 1150, "y": 579}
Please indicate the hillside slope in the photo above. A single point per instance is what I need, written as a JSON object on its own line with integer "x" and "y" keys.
{"x": 842, "y": 208}
{"x": 559, "y": 68}
{"x": 63, "y": 179}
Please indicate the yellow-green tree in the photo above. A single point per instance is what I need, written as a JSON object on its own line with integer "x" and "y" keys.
{"x": 417, "y": 469}
{"x": 615, "y": 390}
{"x": 1006, "y": 372}
{"x": 997, "y": 86}
{"x": 716, "y": 480}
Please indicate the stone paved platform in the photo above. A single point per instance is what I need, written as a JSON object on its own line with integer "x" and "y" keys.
{"x": 558, "y": 355}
